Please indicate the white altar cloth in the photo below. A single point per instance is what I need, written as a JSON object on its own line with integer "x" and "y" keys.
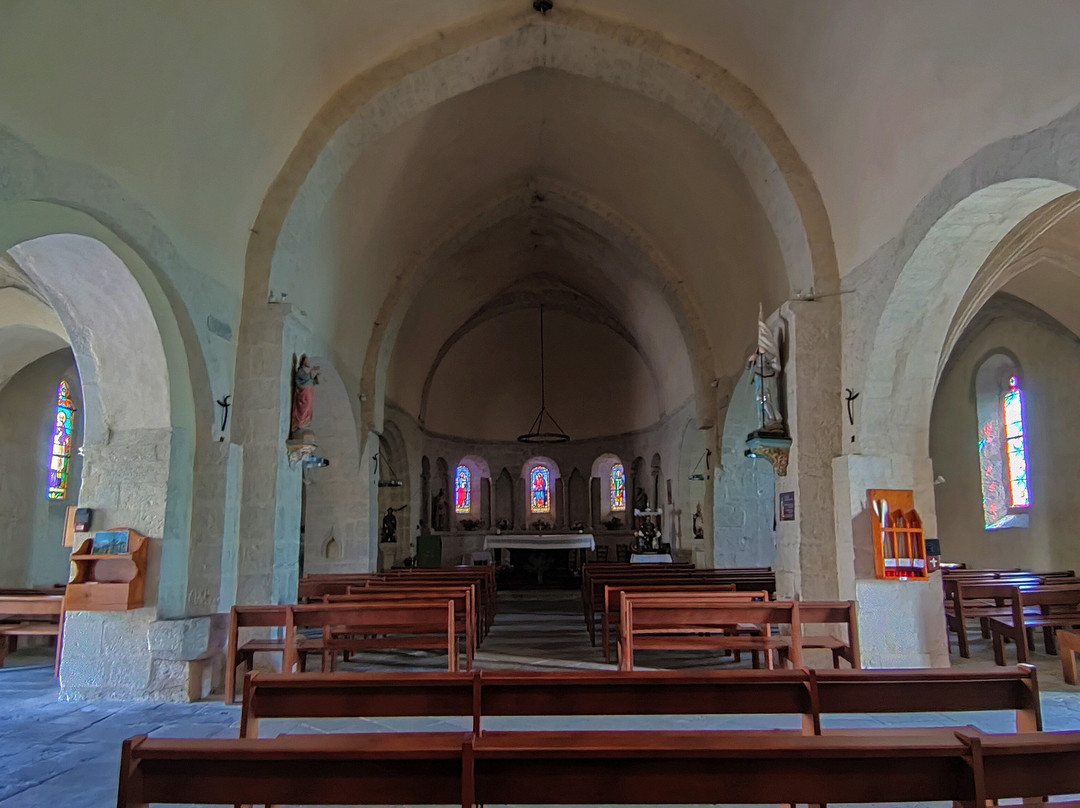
{"x": 540, "y": 541}
{"x": 650, "y": 558}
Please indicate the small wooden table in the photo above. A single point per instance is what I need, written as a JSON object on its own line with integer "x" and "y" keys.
{"x": 34, "y": 614}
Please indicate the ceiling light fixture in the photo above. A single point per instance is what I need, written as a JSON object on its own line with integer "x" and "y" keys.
{"x": 536, "y": 433}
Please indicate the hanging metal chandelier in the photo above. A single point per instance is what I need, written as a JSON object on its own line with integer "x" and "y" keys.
{"x": 537, "y": 433}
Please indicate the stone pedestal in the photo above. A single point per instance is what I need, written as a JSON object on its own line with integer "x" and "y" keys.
{"x": 901, "y": 623}
{"x": 133, "y": 655}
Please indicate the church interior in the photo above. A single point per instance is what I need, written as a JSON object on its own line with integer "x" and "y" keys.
{"x": 352, "y": 353}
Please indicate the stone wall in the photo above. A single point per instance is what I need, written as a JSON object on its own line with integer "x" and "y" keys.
{"x": 31, "y": 525}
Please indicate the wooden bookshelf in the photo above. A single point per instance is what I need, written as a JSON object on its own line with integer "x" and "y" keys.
{"x": 106, "y": 581}
{"x": 899, "y": 543}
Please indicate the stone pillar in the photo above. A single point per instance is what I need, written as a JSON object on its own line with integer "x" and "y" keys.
{"x": 521, "y": 504}
{"x": 807, "y": 563}
{"x": 901, "y": 623}
{"x": 560, "y": 503}
{"x": 269, "y": 529}
{"x": 485, "y": 502}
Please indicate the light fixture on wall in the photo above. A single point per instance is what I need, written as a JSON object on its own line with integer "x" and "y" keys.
{"x": 393, "y": 482}
{"x": 536, "y": 433}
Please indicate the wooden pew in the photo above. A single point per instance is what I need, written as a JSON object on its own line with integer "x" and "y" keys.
{"x": 687, "y": 622}
{"x": 930, "y": 690}
{"x": 31, "y": 615}
{"x": 600, "y": 768}
{"x": 259, "y": 617}
{"x": 750, "y": 580}
{"x": 426, "y": 624}
{"x": 524, "y": 693}
{"x": 1068, "y": 646}
{"x": 465, "y": 617}
{"x": 839, "y": 613}
{"x": 399, "y": 769}
{"x": 1059, "y": 607}
{"x": 975, "y": 598}
{"x": 609, "y": 615}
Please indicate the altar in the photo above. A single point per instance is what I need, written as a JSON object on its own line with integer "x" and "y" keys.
{"x": 540, "y": 541}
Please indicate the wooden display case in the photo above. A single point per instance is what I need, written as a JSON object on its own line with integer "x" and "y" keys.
{"x": 899, "y": 543}
{"x": 107, "y": 581}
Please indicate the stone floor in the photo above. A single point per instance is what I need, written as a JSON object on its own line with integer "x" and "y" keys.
{"x": 52, "y": 751}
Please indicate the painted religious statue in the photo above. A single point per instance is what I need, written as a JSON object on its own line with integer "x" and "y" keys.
{"x": 699, "y": 524}
{"x": 305, "y": 377}
{"x": 388, "y": 533}
{"x": 764, "y": 362}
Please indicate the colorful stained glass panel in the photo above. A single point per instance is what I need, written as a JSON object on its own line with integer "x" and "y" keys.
{"x": 540, "y": 490}
{"x": 1012, "y": 404}
{"x": 60, "y": 456}
{"x": 463, "y": 490}
{"x": 618, "y": 487}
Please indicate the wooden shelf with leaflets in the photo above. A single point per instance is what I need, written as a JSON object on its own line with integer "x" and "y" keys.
{"x": 899, "y": 543}
{"x": 108, "y": 572}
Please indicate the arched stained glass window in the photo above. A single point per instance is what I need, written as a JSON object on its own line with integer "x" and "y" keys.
{"x": 540, "y": 490}
{"x": 463, "y": 490}
{"x": 618, "y": 487}
{"x": 1012, "y": 405}
{"x": 1003, "y": 460}
{"x": 60, "y": 455}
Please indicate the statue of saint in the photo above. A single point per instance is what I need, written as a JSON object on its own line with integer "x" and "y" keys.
{"x": 764, "y": 362}
{"x": 305, "y": 377}
{"x": 389, "y": 527}
{"x": 699, "y": 524}
{"x": 649, "y": 535}
{"x": 440, "y": 512}
{"x": 641, "y": 501}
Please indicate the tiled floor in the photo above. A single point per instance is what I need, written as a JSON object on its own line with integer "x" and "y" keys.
{"x": 52, "y": 751}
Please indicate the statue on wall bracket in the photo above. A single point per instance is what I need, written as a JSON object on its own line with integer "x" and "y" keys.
{"x": 301, "y": 443}
{"x": 770, "y": 440}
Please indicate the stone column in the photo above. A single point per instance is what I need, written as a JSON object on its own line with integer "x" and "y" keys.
{"x": 807, "y": 563}
{"x": 901, "y": 623}
{"x": 560, "y": 504}
{"x": 267, "y": 570}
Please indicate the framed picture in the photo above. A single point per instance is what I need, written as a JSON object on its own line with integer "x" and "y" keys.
{"x": 787, "y": 506}
{"x": 103, "y": 543}
{"x": 120, "y": 542}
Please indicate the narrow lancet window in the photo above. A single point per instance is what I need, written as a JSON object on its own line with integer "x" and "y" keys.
{"x": 540, "y": 490}
{"x": 463, "y": 490}
{"x": 60, "y": 454}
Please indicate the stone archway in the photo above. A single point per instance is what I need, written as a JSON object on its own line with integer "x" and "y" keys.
{"x": 139, "y": 445}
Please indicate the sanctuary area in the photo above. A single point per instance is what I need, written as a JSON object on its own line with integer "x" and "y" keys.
{"x": 365, "y": 345}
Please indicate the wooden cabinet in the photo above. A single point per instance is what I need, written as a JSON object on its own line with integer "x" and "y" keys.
{"x": 899, "y": 543}
{"x": 108, "y": 581}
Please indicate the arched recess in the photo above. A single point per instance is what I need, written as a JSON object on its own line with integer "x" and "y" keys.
{"x": 601, "y": 471}
{"x": 137, "y": 386}
{"x": 915, "y": 326}
{"x": 334, "y": 494}
{"x": 479, "y": 491}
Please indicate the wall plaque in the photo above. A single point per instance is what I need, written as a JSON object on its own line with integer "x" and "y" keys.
{"x": 787, "y": 506}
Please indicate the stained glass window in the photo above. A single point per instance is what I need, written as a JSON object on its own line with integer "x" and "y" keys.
{"x": 1012, "y": 405}
{"x": 60, "y": 456}
{"x": 1003, "y": 461}
{"x": 463, "y": 490}
{"x": 540, "y": 490}
{"x": 618, "y": 487}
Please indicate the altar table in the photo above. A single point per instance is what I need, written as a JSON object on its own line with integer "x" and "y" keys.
{"x": 650, "y": 558}
{"x": 540, "y": 541}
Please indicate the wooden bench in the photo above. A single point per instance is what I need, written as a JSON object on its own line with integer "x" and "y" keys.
{"x": 649, "y": 574}
{"x": 972, "y": 598}
{"x": 827, "y": 613}
{"x": 465, "y": 618}
{"x": 258, "y": 617}
{"x": 686, "y": 622}
{"x": 423, "y": 624}
{"x": 810, "y": 695}
{"x": 1068, "y": 646}
{"x": 609, "y": 616}
{"x": 31, "y": 615}
{"x": 1058, "y": 607}
{"x": 599, "y": 768}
